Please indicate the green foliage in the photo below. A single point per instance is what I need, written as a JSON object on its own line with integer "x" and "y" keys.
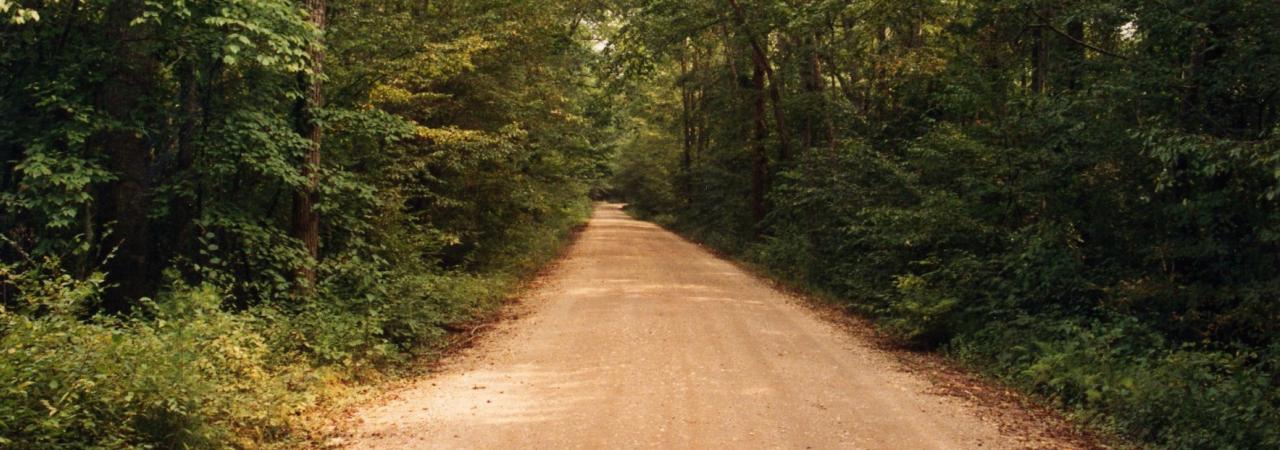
{"x": 55, "y": 188}
{"x": 646, "y": 177}
{"x": 1079, "y": 197}
{"x": 184, "y": 373}
{"x": 1122, "y": 374}
{"x": 153, "y": 150}
{"x": 185, "y": 376}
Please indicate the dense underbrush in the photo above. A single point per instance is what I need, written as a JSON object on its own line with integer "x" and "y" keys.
{"x": 1114, "y": 309}
{"x": 1109, "y": 372}
{"x": 185, "y": 371}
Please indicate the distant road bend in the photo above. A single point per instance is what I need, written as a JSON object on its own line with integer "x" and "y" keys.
{"x": 641, "y": 339}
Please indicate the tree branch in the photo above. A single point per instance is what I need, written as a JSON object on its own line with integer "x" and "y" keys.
{"x": 1045, "y": 23}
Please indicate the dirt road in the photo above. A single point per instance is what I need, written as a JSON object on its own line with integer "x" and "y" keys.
{"x": 642, "y": 339}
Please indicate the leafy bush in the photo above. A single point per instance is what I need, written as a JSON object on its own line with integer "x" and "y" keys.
{"x": 183, "y": 372}
{"x": 1124, "y": 376}
{"x": 186, "y": 376}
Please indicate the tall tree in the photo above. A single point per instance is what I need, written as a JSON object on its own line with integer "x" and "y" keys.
{"x": 126, "y": 143}
{"x": 306, "y": 220}
{"x": 760, "y": 59}
{"x": 759, "y": 140}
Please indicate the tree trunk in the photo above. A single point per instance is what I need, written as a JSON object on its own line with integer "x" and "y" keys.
{"x": 306, "y": 222}
{"x": 185, "y": 211}
{"x": 813, "y": 93}
{"x": 700, "y": 103}
{"x": 686, "y": 101}
{"x": 1075, "y": 29}
{"x": 1189, "y": 105}
{"x": 760, "y": 57}
{"x": 814, "y": 85}
{"x": 759, "y": 154}
{"x": 1039, "y": 59}
{"x": 125, "y": 203}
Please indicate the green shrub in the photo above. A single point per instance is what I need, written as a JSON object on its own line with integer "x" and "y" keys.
{"x": 920, "y": 314}
{"x": 183, "y": 371}
{"x": 186, "y": 376}
{"x": 1123, "y": 375}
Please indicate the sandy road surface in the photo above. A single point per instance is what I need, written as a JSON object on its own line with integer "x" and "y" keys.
{"x": 642, "y": 339}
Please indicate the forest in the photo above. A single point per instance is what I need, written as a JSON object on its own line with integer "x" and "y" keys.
{"x": 1077, "y": 198}
{"x": 220, "y": 217}
{"x": 218, "y": 212}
